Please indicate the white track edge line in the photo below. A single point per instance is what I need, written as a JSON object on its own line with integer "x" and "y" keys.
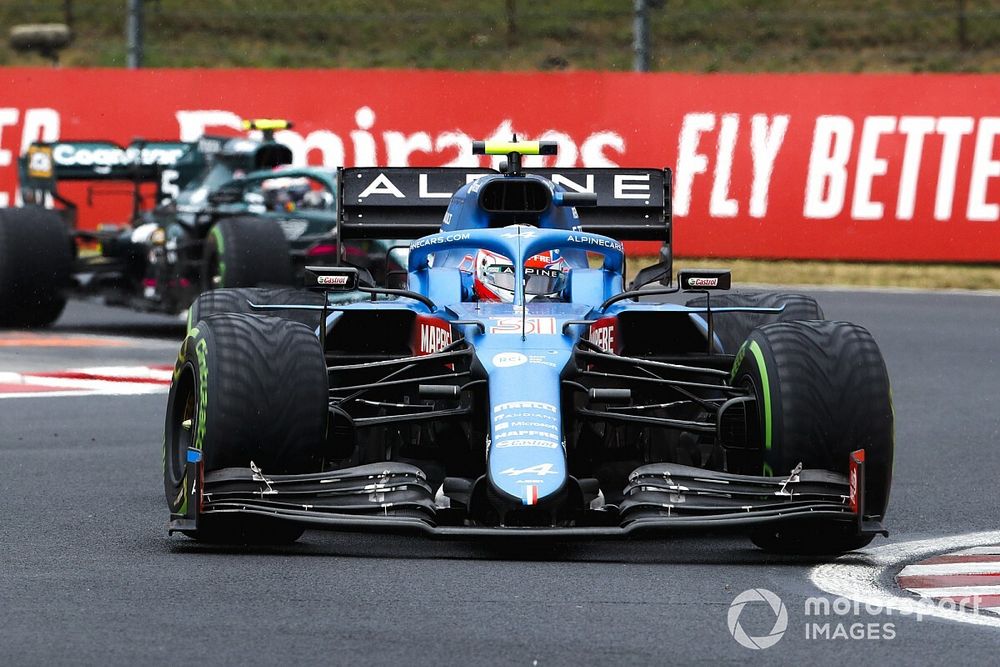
{"x": 955, "y": 591}
{"x": 950, "y": 569}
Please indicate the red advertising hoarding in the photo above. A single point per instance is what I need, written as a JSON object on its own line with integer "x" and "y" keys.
{"x": 874, "y": 167}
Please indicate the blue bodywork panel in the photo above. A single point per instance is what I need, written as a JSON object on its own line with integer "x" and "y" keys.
{"x": 522, "y": 346}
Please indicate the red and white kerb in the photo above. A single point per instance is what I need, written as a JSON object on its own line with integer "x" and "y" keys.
{"x": 968, "y": 578}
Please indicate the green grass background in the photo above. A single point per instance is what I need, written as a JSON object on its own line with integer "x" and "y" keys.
{"x": 687, "y": 35}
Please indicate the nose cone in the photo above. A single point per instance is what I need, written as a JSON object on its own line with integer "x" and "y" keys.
{"x": 526, "y": 458}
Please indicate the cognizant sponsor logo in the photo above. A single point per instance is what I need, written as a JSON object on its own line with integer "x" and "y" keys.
{"x": 69, "y": 155}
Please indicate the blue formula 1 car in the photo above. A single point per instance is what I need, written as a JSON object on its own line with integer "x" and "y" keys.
{"x": 513, "y": 386}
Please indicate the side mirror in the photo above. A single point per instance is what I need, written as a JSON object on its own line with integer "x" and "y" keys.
{"x": 656, "y": 273}
{"x": 705, "y": 279}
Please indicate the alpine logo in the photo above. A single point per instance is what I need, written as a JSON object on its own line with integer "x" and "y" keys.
{"x": 596, "y": 241}
{"x": 438, "y": 239}
{"x": 541, "y": 469}
{"x": 439, "y": 184}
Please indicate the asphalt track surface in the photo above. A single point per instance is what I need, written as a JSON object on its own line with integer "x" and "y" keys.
{"x": 89, "y": 575}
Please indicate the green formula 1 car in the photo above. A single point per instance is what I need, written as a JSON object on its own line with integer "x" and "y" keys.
{"x": 217, "y": 212}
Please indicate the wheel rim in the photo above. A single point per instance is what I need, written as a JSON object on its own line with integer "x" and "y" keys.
{"x": 755, "y": 430}
{"x": 181, "y": 425}
{"x": 215, "y": 278}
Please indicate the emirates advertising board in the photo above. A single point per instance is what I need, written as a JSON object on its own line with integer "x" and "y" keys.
{"x": 819, "y": 166}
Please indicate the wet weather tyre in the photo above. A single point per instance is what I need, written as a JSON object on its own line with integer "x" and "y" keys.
{"x": 733, "y": 328}
{"x": 238, "y": 300}
{"x": 822, "y": 392}
{"x": 35, "y": 264}
{"x": 246, "y": 252}
{"x": 246, "y": 389}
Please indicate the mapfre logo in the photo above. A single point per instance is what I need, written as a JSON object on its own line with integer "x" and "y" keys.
{"x": 604, "y": 334}
{"x": 433, "y": 335}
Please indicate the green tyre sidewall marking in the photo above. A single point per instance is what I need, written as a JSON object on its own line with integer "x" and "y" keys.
{"x": 762, "y": 386}
{"x": 193, "y": 358}
{"x": 176, "y": 493}
{"x": 766, "y": 390}
{"x": 201, "y": 353}
{"x": 738, "y": 360}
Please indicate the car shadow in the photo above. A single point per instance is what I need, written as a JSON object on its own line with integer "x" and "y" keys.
{"x": 701, "y": 550}
{"x": 170, "y": 330}
{"x": 90, "y": 317}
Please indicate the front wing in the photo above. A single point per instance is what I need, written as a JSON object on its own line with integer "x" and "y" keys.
{"x": 659, "y": 499}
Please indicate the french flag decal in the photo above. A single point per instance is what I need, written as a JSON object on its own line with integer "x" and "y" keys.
{"x": 531, "y": 494}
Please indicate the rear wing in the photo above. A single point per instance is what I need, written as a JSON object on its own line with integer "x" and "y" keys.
{"x": 407, "y": 203}
{"x": 46, "y": 162}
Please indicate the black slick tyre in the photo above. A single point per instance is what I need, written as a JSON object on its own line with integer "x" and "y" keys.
{"x": 733, "y": 328}
{"x": 35, "y": 264}
{"x": 822, "y": 392}
{"x": 245, "y": 389}
{"x": 246, "y": 252}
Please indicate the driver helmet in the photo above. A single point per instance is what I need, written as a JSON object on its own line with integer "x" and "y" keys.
{"x": 545, "y": 275}
{"x": 285, "y": 194}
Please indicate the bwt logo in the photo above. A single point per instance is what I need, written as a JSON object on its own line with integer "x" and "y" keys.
{"x": 773, "y": 606}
